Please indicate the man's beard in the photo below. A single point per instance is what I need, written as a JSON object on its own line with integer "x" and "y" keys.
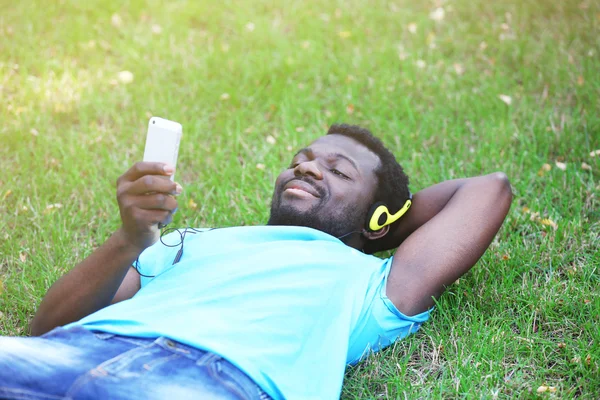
{"x": 340, "y": 223}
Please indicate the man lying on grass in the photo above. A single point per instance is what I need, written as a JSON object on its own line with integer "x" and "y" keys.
{"x": 256, "y": 312}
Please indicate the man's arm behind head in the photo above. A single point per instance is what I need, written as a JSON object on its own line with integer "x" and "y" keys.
{"x": 451, "y": 226}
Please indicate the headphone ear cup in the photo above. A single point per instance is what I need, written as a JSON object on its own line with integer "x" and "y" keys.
{"x": 371, "y": 215}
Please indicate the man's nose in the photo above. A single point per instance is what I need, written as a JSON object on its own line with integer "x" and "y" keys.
{"x": 308, "y": 168}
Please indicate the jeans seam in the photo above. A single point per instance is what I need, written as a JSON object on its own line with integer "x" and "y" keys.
{"x": 22, "y": 394}
{"x": 207, "y": 359}
{"x": 264, "y": 395}
{"x": 103, "y": 335}
{"x": 235, "y": 387}
{"x": 133, "y": 341}
{"x": 150, "y": 365}
{"x": 79, "y": 382}
{"x": 90, "y": 374}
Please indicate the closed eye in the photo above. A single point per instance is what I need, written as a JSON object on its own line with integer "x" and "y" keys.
{"x": 334, "y": 171}
{"x": 338, "y": 173}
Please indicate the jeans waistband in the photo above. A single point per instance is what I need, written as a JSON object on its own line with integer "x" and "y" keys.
{"x": 202, "y": 357}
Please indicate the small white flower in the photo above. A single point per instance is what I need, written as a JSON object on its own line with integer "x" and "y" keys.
{"x": 459, "y": 69}
{"x": 506, "y": 99}
{"x": 116, "y": 20}
{"x": 156, "y": 29}
{"x": 438, "y": 14}
{"x": 125, "y": 77}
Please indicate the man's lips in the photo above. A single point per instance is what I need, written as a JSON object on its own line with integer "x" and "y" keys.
{"x": 303, "y": 186}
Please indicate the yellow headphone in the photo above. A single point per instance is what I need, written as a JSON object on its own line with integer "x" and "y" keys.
{"x": 380, "y": 216}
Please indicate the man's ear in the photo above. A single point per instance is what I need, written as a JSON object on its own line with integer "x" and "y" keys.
{"x": 378, "y": 234}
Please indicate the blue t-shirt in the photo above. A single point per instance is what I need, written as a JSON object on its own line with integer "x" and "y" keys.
{"x": 290, "y": 306}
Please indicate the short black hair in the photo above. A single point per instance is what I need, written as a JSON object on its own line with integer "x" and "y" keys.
{"x": 392, "y": 185}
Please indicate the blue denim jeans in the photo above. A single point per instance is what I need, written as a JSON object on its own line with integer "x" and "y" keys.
{"x": 79, "y": 364}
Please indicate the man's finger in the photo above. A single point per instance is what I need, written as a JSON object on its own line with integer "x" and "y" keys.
{"x": 153, "y": 217}
{"x": 157, "y": 201}
{"x": 142, "y": 168}
{"x": 166, "y": 221}
{"x": 154, "y": 184}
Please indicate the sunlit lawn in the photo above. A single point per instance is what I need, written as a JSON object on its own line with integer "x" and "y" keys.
{"x": 455, "y": 88}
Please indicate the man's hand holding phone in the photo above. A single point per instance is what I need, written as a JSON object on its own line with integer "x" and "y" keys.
{"x": 146, "y": 192}
{"x": 146, "y": 197}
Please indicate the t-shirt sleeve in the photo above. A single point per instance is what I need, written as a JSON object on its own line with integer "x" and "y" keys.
{"x": 381, "y": 323}
{"x": 158, "y": 258}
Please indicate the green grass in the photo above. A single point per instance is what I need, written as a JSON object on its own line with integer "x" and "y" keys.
{"x": 527, "y": 315}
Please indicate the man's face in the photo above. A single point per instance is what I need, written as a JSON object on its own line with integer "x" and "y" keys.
{"x": 328, "y": 186}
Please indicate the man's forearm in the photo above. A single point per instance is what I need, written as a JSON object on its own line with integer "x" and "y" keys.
{"x": 88, "y": 287}
{"x": 425, "y": 205}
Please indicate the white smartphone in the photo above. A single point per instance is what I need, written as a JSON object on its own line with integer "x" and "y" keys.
{"x": 162, "y": 141}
